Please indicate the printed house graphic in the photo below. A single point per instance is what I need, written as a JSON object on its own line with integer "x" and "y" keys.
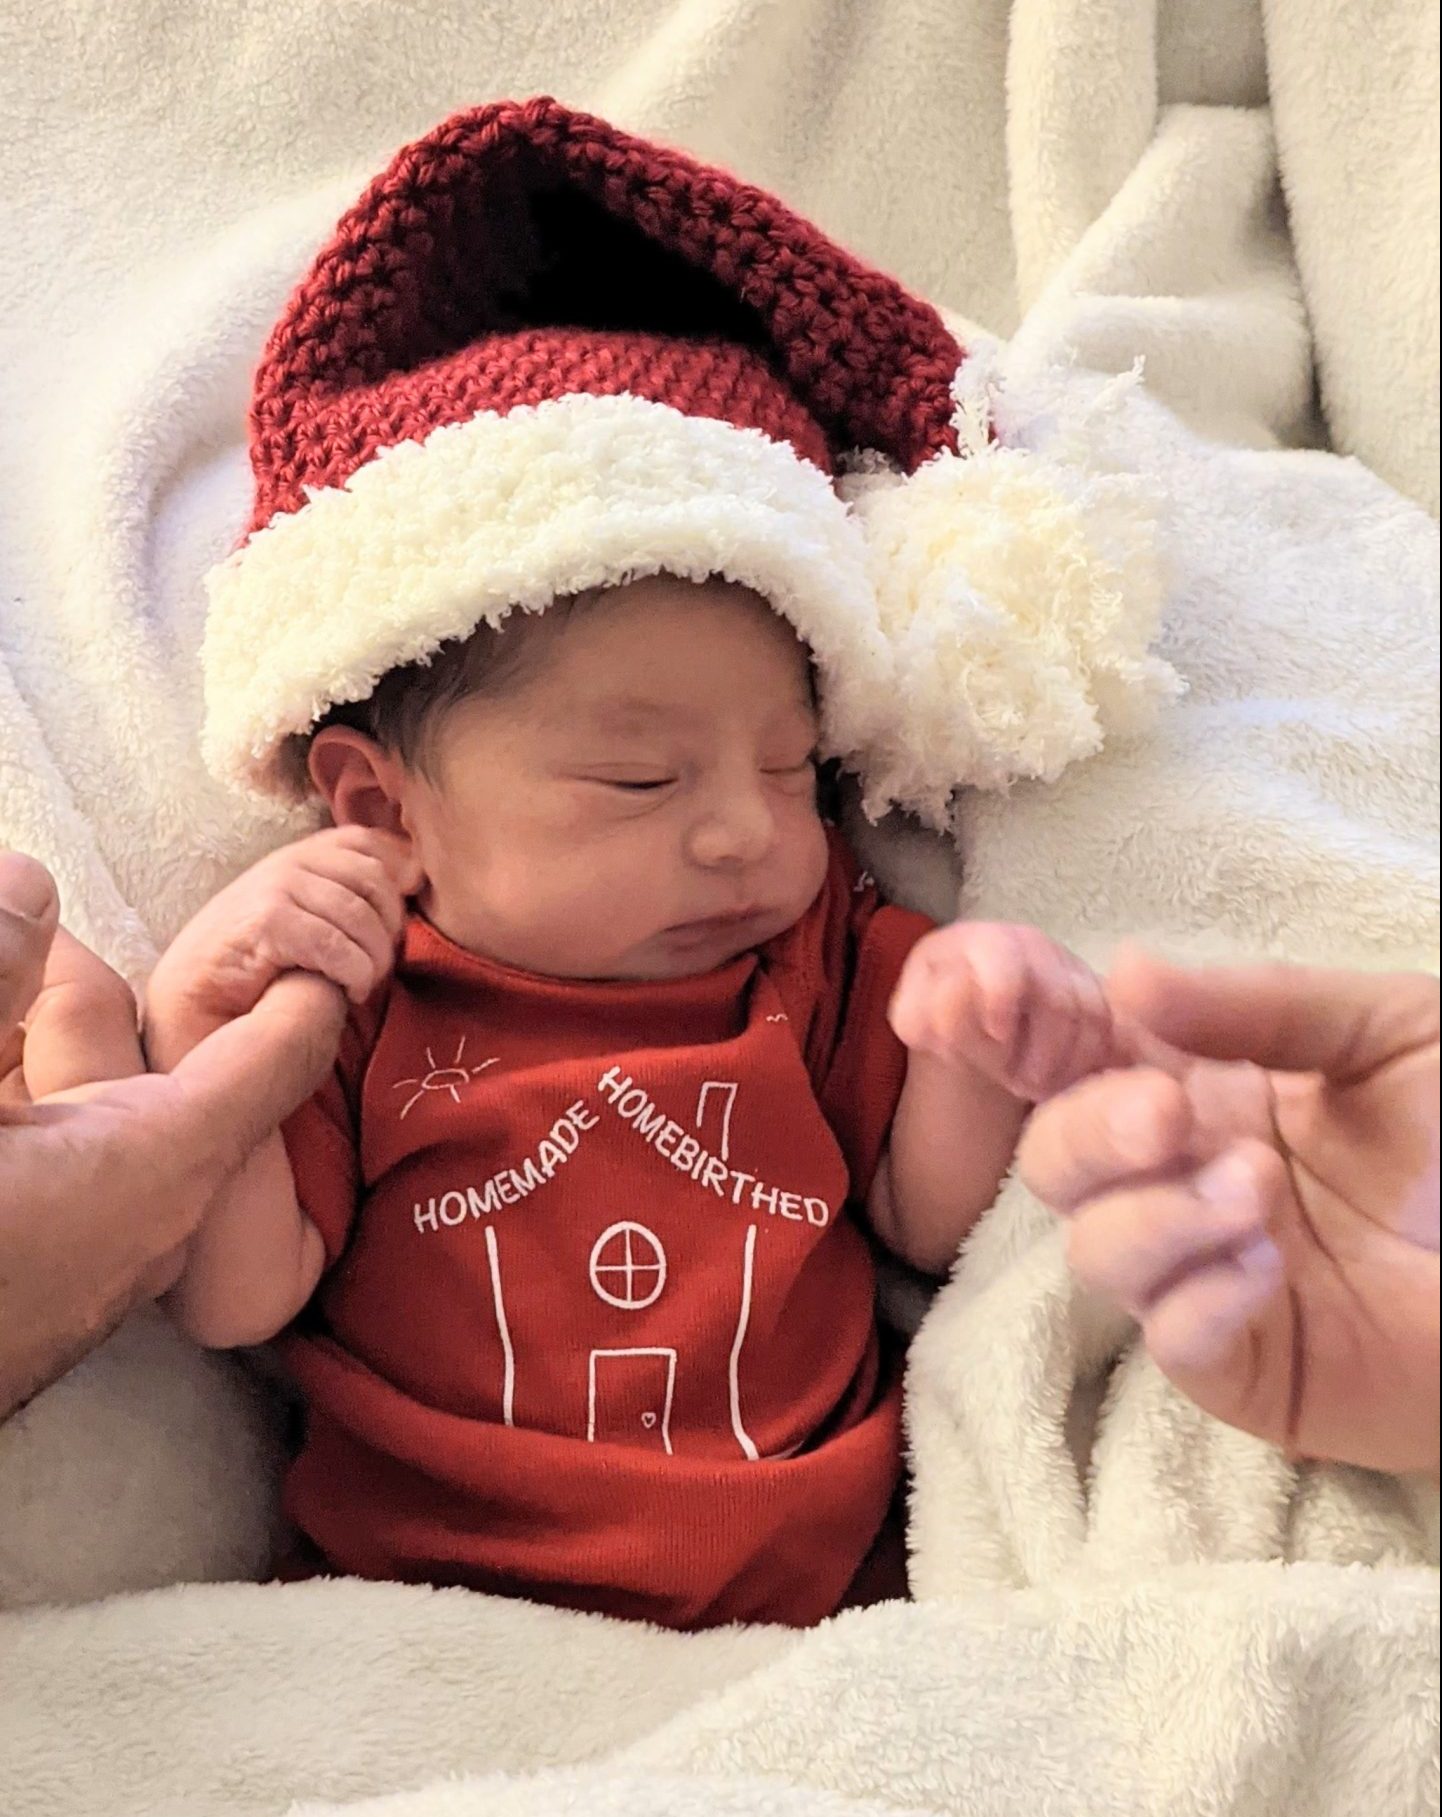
{"x": 631, "y": 1387}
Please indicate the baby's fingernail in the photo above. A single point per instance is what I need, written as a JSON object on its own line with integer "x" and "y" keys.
{"x": 26, "y": 887}
{"x": 1229, "y": 1184}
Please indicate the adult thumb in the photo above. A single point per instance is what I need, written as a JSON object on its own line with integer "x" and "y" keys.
{"x": 1290, "y": 1018}
{"x": 241, "y": 1083}
{"x": 29, "y": 914}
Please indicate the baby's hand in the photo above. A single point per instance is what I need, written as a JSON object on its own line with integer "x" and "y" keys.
{"x": 332, "y": 905}
{"x": 1009, "y": 1003}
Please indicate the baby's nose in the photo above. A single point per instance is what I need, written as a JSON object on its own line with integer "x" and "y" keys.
{"x": 737, "y": 832}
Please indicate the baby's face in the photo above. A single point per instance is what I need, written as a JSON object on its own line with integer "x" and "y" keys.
{"x": 642, "y": 805}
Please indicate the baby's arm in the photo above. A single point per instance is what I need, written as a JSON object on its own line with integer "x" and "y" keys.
{"x": 331, "y": 906}
{"x": 995, "y": 1019}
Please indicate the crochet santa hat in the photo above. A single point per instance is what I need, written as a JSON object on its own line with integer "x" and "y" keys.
{"x": 541, "y": 356}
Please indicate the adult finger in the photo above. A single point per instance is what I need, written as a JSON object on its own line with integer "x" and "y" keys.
{"x": 1293, "y": 1018}
{"x": 1141, "y": 1125}
{"x": 12, "y": 1070}
{"x": 29, "y": 913}
{"x": 1114, "y": 1130}
{"x": 83, "y": 1027}
{"x": 1136, "y": 1247}
{"x": 1193, "y": 1328}
{"x": 241, "y": 1083}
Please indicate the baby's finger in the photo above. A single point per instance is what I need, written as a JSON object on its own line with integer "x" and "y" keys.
{"x": 1068, "y": 1031}
{"x": 930, "y": 1000}
{"x": 1137, "y": 1246}
{"x": 354, "y": 915}
{"x": 1193, "y": 1328}
{"x": 307, "y": 943}
{"x": 1005, "y": 987}
{"x": 394, "y": 853}
{"x": 366, "y": 877}
{"x": 928, "y": 1014}
{"x": 969, "y": 994}
{"x": 1099, "y": 1045}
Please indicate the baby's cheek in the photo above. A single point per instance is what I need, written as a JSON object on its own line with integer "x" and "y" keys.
{"x": 571, "y": 879}
{"x": 805, "y": 846}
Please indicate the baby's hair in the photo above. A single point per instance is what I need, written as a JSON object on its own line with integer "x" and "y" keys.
{"x": 409, "y": 703}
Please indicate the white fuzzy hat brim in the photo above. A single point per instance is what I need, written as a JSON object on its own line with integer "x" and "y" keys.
{"x": 987, "y": 619}
{"x": 431, "y": 539}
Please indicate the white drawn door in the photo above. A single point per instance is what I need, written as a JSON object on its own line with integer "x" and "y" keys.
{"x": 630, "y": 1396}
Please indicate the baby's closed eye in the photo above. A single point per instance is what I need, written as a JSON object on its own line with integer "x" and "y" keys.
{"x": 639, "y": 779}
{"x": 800, "y": 775}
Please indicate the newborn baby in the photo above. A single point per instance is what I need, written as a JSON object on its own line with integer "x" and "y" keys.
{"x": 573, "y": 1255}
{"x": 597, "y": 495}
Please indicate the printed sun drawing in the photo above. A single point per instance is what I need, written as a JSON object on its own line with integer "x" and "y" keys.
{"x": 443, "y": 1078}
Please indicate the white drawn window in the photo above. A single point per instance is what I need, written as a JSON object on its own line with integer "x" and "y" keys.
{"x": 628, "y": 1267}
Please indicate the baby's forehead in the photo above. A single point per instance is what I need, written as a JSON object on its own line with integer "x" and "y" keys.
{"x": 629, "y": 661}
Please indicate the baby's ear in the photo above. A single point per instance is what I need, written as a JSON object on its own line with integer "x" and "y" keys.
{"x": 363, "y": 783}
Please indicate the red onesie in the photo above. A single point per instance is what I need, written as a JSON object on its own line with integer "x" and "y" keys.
{"x": 597, "y": 1327}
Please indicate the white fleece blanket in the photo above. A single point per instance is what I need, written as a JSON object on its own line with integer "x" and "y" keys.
{"x": 1124, "y": 1608}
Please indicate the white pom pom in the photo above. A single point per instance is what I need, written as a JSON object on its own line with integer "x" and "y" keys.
{"x": 1021, "y": 593}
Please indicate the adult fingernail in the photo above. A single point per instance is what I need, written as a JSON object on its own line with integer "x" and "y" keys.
{"x": 26, "y": 888}
{"x": 1228, "y": 1184}
{"x": 1260, "y": 1257}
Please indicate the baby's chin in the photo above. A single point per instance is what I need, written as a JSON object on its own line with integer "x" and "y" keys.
{"x": 689, "y": 950}
{"x": 665, "y": 971}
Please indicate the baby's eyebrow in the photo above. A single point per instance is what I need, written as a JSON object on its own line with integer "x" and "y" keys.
{"x": 630, "y": 713}
{"x": 636, "y": 715}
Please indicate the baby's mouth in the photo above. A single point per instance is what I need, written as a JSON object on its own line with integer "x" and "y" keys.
{"x": 709, "y": 926}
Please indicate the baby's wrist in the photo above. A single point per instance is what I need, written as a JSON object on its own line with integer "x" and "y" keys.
{"x": 173, "y": 1020}
{"x": 927, "y": 1060}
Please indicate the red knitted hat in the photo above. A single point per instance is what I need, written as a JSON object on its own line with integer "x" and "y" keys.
{"x": 541, "y": 356}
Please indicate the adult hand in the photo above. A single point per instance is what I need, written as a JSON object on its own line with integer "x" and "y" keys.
{"x": 1264, "y": 1199}
{"x": 105, "y": 1170}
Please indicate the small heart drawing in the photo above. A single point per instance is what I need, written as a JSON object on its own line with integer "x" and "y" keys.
{"x": 648, "y": 1420}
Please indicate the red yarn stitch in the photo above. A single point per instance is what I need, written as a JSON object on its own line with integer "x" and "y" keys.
{"x": 443, "y": 293}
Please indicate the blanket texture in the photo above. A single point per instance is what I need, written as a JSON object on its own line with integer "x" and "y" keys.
{"x": 1122, "y": 1607}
